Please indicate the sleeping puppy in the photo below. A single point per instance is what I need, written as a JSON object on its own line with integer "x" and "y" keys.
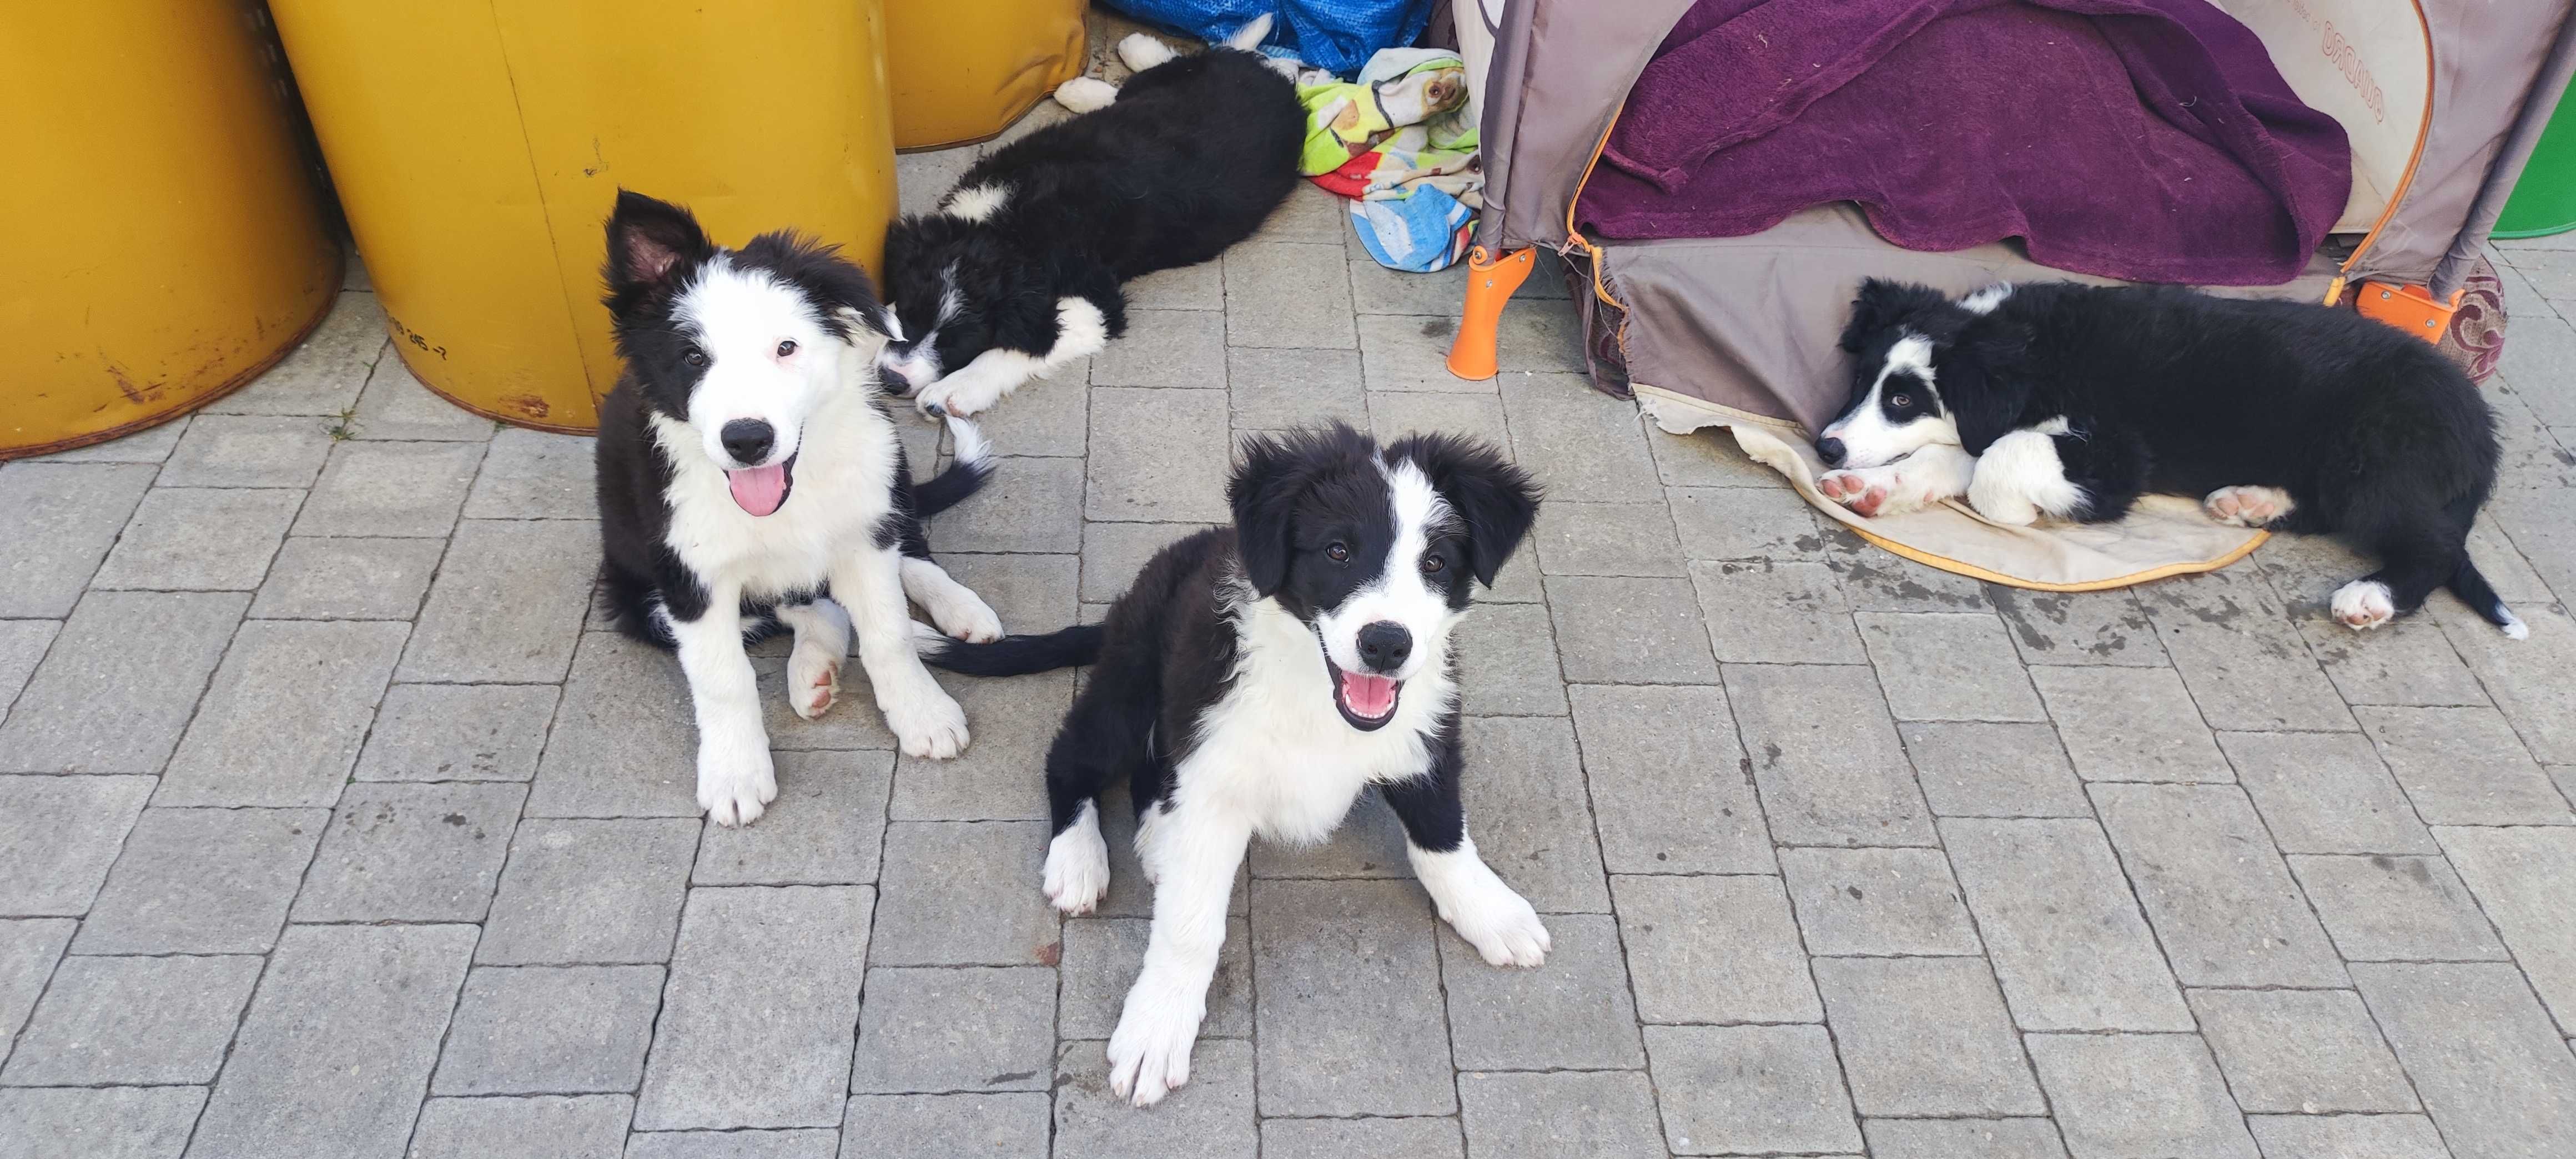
{"x": 2069, "y": 401}
{"x": 1255, "y": 680}
{"x": 1018, "y": 272}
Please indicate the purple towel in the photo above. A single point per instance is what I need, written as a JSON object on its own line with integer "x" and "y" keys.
{"x": 2149, "y": 140}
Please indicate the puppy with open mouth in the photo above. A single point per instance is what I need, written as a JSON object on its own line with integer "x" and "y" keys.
{"x": 1257, "y": 678}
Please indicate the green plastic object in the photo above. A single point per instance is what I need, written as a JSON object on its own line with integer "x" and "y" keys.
{"x": 2544, "y": 200}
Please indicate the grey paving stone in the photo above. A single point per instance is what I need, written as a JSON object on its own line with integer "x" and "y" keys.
{"x": 1280, "y": 294}
{"x": 1049, "y": 418}
{"x": 1539, "y": 334}
{"x": 1112, "y": 554}
{"x": 936, "y": 1127}
{"x": 1582, "y": 444}
{"x": 1875, "y": 579}
{"x": 119, "y": 683}
{"x": 2067, "y": 940}
{"x": 1826, "y": 756}
{"x": 248, "y": 451}
{"x": 756, "y": 1022}
{"x": 2408, "y": 661}
{"x": 1410, "y": 355}
{"x": 1350, "y": 1022}
{"x": 1670, "y": 793}
{"x": 1926, "y": 1036}
{"x": 202, "y": 881}
{"x": 1759, "y": 611}
{"x": 1277, "y": 389}
{"x": 1376, "y": 289}
{"x": 937, "y": 870}
{"x": 149, "y": 445}
{"x": 1184, "y": 348}
{"x": 999, "y": 777}
{"x": 1954, "y": 1138}
{"x": 2464, "y": 766}
{"x": 549, "y": 1029}
{"x": 2246, "y": 665}
{"x": 1211, "y": 1118}
{"x": 823, "y": 829}
{"x": 1031, "y": 505}
{"x": 935, "y": 1031}
{"x": 2523, "y": 878}
{"x": 2138, "y": 1095}
{"x": 507, "y": 604}
{"x": 1507, "y": 662}
{"x": 1761, "y": 1089}
{"x": 2481, "y": 1053}
{"x": 1707, "y": 458}
{"x": 396, "y": 407}
{"x": 406, "y": 852}
{"x": 787, "y": 1144}
{"x": 1158, "y": 456}
{"x": 1526, "y": 812}
{"x": 29, "y": 947}
{"x": 544, "y": 1127}
{"x": 1878, "y": 902}
{"x": 2347, "y": 1137}
{"x": 1573, "y": 1013}
{"x": 624, "y": 742}
{"x": 1719, "y": 523}
{"x": 2078, "y": 627}
{"x": 59, "y": 835}
{"x": 347, "y": 579}
{"x": 1308, "y": 215}
{"x": 338, "y": 1045}
{"x": 922, "y": 178}
{"x": 2130, "y": 724}
{"x": 1369, "y": 842}
{"x": 321, "y": 376}
{"x": 140, "y": 1021}
{"x": 1395, "y": 414}
{"x": 1951, "y": 666}
{"x": 1033, "y": 592}
{"x": 1714, "y": 949}
{"x": 1977, "y": 769}
{"x": 282, "y": 722}
{"x": 98, "y": 1122}
{"x": 22, "y": 646}
{"x": 2325, "y": 793}
{"x": 1558, "y": 1114}
{"x": 457, "y": 732}
{"x": 1199, "y": 287}
{"x": 2221, "y": 901}
{"x": 535, "y": 475}
{"x": 1102, "y": 957}
{"x": 391, "y": 489}
{"x": 203, "y": 539}
{"x": 2304, "y": 1051}
{"x": 1630, "y": 631}
{"x": 2381, "y": 907}
{"x": 590, "y": 892}
{"x": 1607, "y": 539}
{"x": 2533, "y": 681}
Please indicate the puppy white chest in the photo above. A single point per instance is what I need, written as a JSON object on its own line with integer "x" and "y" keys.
{"x": 839, "y": 494}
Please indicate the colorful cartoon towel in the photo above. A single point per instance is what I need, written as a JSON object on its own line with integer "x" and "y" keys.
{"x": 1399, "y": 143}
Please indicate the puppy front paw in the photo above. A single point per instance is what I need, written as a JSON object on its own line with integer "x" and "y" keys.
{"x": 1149, "y": 1053}
{"x": 735, "y": 781}
{"x": 1085, "y": 94}
{"x": 2247, "y": 506}
{"x": 2363, "y": 604}
{"x": 1501, "y": 924}
{"x": 813, "y": 680}
{"x": 1077, "y": 869}
{"x": 1870, "y": 491}
{"x": 927, "y": 722}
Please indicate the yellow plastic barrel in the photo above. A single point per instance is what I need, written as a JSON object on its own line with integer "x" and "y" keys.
{"x": 165, "y": 237}
{"x": 478, "y": 148}
{"x": 963, "y": 70}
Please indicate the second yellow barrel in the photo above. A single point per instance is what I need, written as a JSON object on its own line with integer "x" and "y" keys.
{"x": 963, "y": 70}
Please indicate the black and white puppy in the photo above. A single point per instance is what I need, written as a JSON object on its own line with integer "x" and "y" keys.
{"x": 1255, "y": 680}
{"x": 2070, "y": 401}
{"x": 1018, "y": 272}
{"x": 750, "y": 477}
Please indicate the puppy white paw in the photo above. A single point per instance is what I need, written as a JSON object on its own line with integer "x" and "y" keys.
{"x": 813, "y": 680}
{"x": 1872, "y": 491}
{"x": 1501, "y": 925}
{"x": 955, "y": 397}
{"x": 2247, "y": 506}
{"x": 966, "y": 616}
{"x": 1140, "y": 52}
{"x": 1077, "y": 866}
{"x": 735, "y": 781}
{"x": 2363, "y": 604}
{"x": 1086, "y": 94}
{"x": 1149, "y": 1053}
{"x": 927, "y": 722}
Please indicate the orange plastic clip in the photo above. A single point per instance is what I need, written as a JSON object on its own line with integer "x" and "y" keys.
{"x": 1491, "y": 282}
{"x": 2409, "y": 308}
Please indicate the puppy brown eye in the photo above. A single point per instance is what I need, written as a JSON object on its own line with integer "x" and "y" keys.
{"x": 1900, "y": 400}
{"x": 1338, "y": 553}
{"x": 786, "y": 348}
{"x": 694, "y": 356}
{"x": 1431, "y": 565}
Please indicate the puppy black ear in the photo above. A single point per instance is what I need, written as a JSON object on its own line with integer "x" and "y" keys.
{"x": 647, "y": 240}
{"x": 1496, "y": 500}
{"x": 1980, "y": 381}
{"x": 1263, "y": 493}
{"x": 1882, "y": 304}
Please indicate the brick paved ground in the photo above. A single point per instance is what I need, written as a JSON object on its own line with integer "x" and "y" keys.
{"x": 331, "y": 828}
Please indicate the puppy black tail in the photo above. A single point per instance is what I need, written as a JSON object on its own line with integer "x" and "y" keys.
{"x": 966, "y": 476}
{"x": 1012, "y": 655}
{"x": 2474, "y": 590}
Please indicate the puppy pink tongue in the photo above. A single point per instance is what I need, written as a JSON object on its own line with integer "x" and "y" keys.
{"x": 759, "y": 490}
{"x": 1369, "y": 696}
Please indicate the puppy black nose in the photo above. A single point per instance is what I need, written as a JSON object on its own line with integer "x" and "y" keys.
{"x": 1831, "y": 451}
{"x": 747, "y": 440}
{"x": 895, "y": 381}
{"x": 1384, "y": 645}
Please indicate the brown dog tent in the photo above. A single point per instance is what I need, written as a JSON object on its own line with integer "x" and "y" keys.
{"x": 2441, "y": 101}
